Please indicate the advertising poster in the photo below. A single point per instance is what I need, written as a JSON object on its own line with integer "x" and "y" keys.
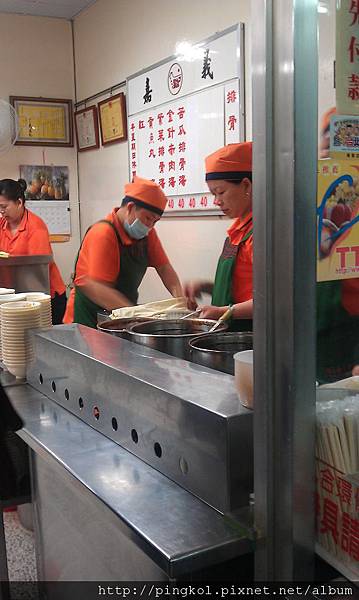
{"x": 338, "y": 219}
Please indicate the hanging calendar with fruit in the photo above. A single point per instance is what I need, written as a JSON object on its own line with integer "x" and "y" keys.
{"x": 47, "y": 194}
{"x": 338, "y": 219}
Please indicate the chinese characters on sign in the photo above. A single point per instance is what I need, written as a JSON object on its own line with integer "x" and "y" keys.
{"x": 168, "y": 145}
{"x": 347, "y": 57}
{"x": 337, "y": 506}
{"x": 180, "y": 110}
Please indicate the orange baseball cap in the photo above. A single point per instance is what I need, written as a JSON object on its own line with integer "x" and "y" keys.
{"x": 233, "y": 161}
{"x": 146, "y": 194}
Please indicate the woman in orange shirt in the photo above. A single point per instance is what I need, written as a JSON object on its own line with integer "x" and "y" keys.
{"x": 229, "y": 178}
{"x": 23, "y": 232}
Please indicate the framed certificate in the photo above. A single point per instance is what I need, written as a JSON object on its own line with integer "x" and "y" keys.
{"x": 86, "y": 127}
{"x": 43, "y": 121}
{"x": 112, "y": 114}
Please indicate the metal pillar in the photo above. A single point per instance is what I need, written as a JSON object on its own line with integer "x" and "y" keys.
{"x": 284, "y": 63}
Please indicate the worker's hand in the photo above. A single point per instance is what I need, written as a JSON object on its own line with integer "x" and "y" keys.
{"x": 355, "y": 370}
{"x": 193, "y": 291}
{"x": 212, "y": 312}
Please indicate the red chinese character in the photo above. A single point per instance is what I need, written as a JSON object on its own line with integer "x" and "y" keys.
{"x": 170, "y": 114}
{"x": 172, "y": 182}
{"x": 161, "y": 183}
{"x": 182, "y": 147}
{"x": 133, "y": 155}
{"x": 133, "y": 175}
{"x": 329, "y": 522}
{"x": 344, "y": 490}
{"x": 160, "y": 118}
{"x": 354, "y": 10}
{"x": 353, "y": 49}
{"x": 231, "y": 96}
{"x": 182, "y": 163}
{"x": 150, "y": 122}
{"x": 134, "y": 164}
{"x": 141, "y": 125}
{"x": 327, "y": 480}
{"x": 182, "y": 180}
{"x": 160, "y": 135}
{"x": 161, "y": 151}
{"x": 171, "y": 149}
{"x": 133, "y": 126}
{"x": 176, "y": 82}
{"x": 181, "y": 111}
{"x": 325, "y": 170}
{"x": 133, "y": 146}
{"x": 232, "y": 120}
{"x": 172, "y": 165}
{"x": 133, "y": 139}
{"x": 350, "y": 536}
{"x": 181, "y": 130}
{"x": 152, "y": 153}
{"x": 161, "y": 166}
{"x": 353, "y": 87}
{"x": 170, "y": 132}
{"x": 152, "y": 141}
{"x": 317, "y": 504}
{"x": 335, "y": 169}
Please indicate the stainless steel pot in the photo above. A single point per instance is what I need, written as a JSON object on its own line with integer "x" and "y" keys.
{"x": 171, "y": 336}
{"x": 119, "y": 327}
{"x": 216, "y": 350}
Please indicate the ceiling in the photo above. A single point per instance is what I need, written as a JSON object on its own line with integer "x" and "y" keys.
{"x": 64, "y": 9}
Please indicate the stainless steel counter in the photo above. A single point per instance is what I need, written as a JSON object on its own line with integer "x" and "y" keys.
{"x": 28, "y": 273}
{"x": 182, "y": 419}
{"x": 102, "y": 513}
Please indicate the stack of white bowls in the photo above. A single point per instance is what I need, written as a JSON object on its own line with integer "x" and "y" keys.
{"x": 16, "y": 319}
{"x": 9, "y": 298}
{"x": 45, "y": 301}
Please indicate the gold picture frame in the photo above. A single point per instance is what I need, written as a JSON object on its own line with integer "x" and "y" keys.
{"x": 43, "y": 121}
{"x": 112, "y": 116}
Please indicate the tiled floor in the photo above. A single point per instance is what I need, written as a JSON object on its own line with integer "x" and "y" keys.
{"x": 20, "y": 549}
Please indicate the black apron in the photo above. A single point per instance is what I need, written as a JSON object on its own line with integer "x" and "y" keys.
{"x": 133, "y": 266}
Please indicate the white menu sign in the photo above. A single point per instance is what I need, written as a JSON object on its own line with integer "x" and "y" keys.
{"x": 181, "y": 111}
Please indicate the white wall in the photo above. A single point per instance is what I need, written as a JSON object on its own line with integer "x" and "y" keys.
{"x": 326, "y": 43}
{"x": 114, "y": 39}
{"x": 36, "y": 59}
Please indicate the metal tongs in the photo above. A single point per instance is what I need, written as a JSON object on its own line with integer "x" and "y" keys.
{"x": 191, "y": 314}
{"x": 221, "y": 319}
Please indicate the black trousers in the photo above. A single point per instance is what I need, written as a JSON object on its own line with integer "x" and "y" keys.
{"x": 58, "y": 307}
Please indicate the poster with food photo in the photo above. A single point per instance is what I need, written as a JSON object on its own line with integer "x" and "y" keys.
{"x": 45, "y": 182}
{"x": 338, "y": 219}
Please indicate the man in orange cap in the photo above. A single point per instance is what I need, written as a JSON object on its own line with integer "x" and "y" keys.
{"x": 229, "y": 178}
{"x": 115, "y": 254}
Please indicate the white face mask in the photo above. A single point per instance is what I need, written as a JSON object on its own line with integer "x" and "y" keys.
{"x": 136, "y": 230}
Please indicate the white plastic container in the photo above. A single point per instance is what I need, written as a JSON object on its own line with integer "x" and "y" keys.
{"x": 243, "y": 374}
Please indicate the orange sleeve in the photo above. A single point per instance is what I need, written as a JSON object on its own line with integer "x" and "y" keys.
{"x": 101, "y": 250}
{"x": 157, "y": 257}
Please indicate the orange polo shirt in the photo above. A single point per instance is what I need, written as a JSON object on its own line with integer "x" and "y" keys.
{"x": 32, "y": 237}
{"x": 242, "y": 281}
{"x": 99, "y": 256}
